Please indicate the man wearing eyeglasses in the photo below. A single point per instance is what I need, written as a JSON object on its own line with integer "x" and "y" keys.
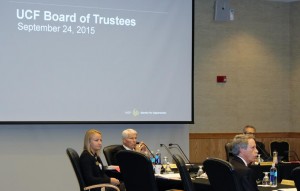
{"x": 250, "y": 130}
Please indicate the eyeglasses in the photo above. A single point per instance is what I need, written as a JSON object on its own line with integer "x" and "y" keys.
{"x": 249, "y": 133}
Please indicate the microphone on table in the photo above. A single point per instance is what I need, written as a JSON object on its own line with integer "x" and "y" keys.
{"x": 167, "y": 149}
{"x": 294, "y": 153}
{"x": 264, "y": 153}
{"x": 152, "y": 155}
{"x": 167, "y": 168}
{"x": 191, "y": 167}
{"x": 185, "y": 160}
{"x": 181, "y": 151}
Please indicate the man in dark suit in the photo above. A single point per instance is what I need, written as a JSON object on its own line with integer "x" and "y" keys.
{"x": 245, "y": 152}
{"x": 250, "y": 130}
{"x": 129, "y": 140}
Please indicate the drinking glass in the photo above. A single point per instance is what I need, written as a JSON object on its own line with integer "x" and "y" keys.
{"x": 200, "y": 171}
{"x": 266, "y": 180}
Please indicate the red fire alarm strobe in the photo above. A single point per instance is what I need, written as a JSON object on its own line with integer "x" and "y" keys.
{"x": 221, "y": 79}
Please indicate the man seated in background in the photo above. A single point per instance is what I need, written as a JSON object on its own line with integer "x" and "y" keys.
{"x": 245, "y": 152}
{"x": 129, "y": 140}
{"x": 250, "y": 130}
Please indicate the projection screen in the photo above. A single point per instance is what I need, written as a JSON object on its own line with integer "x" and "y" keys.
{"x": 96, "y": 61}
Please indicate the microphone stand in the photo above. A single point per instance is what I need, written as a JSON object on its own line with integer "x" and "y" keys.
{"x": 188, "y": 162}
{"x": 152, "y": 155}
{"x": 263, "y": 152}
{"x": 294, "y": 153}
{"x": 192, "y": 167}
{"x": 167, "y": 149}
{"x": 167, "y": 168}
{"x": 179, "y": 148}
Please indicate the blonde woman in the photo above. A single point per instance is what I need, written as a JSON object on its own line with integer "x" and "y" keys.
{"x": 90, "y": 163}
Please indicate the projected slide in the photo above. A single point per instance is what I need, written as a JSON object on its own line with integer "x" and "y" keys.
{"x": 96, "y": 61}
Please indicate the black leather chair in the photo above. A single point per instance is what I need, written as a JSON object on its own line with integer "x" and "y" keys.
{"x": 228, "y": 151}
{"x": 221, "y": 175}
{"x": 74, "y": 158}
{"x": 296, "y": 177}
{"x": 282, "y": 148}
{"x": 110, "y": 154}
{"x": 184, "y": 174}
{"x": 137, "y": 171}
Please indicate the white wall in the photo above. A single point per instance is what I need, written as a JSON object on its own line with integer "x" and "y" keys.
{"x": 295, "y": 66}
{"x": 33, "y": 157}
{"x": 253, "y": 51}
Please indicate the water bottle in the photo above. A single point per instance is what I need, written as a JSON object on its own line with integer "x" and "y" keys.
{"x": 275, "y": 157}
{"x": 152, "y": 157}
{"x": 158, "y": 157}
{"x": 273, "y": 176}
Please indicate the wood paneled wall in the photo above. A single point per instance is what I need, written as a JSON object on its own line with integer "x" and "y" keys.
{"x": 203, "y": 145}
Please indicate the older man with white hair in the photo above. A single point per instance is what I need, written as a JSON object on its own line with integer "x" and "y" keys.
{"x": 129, "y": 140}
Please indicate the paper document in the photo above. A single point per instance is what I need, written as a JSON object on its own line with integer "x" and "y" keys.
{"x": 113, "y": 167}
{"x": 175, "y": 176}
{"x": 288, "y": 182}
{"x": 287, "y": 189}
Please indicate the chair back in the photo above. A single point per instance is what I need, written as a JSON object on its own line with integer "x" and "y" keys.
{"x": 221, "y": 175}
{"x": 282, "y": 148}
{"x": 137, "y": 171}
{"x": 296, "y": 177}
{"x": 110, "y": 154}
{"x": 184, "y": 174}
{"x": 228, "y": 152}
{"x": 74, "y": 158}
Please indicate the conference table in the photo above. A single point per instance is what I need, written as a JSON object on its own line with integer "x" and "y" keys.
{"x": 284, "y": 170}
{"x": 202, "y": 184}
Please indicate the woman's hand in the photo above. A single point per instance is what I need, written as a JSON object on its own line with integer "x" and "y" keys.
{"x": 114, "y": 181}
